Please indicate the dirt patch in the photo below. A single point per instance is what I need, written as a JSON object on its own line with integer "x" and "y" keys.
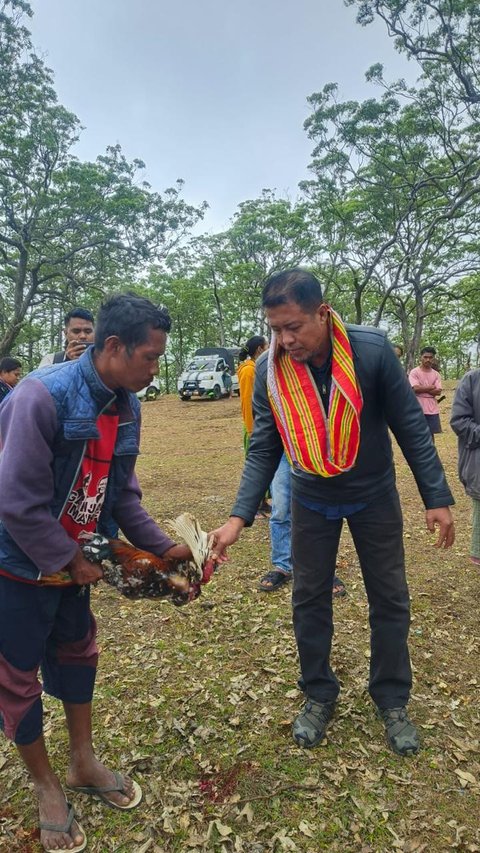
{"x": 197, "y": 703}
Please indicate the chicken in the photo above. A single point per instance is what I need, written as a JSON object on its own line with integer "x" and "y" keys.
{"x": 140, "y": 574}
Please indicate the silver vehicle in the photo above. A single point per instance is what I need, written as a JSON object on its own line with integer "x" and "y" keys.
{"x": 210, "y": 374}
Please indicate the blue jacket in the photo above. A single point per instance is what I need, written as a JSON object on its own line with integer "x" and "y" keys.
{"x": 45, "y": 424}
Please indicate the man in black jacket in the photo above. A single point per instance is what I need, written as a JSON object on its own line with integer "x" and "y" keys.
{"x": 328, "y": 395}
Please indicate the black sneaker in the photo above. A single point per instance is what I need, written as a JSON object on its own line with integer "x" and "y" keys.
{"x": 309, "y": 727}
{"x": 400, "y": 732}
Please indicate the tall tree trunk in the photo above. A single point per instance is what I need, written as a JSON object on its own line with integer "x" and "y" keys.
{"x": 221, "y": 321}
{"x": 417, "y": 329}
{"x": 167, "y": 374}
{"x": 358, "y": 302}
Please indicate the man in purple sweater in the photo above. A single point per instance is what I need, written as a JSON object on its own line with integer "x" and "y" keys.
{"x": 69, "y": 441}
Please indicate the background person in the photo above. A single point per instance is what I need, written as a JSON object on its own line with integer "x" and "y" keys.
{"x": 10, "y": 374}
{"x": 427, "y": 385}
{"x": 78, "y": 331}
{"x": 246, "y": 380}
{"x": 70, "y": 438}
{"x": 327, "y": 396}
{"x": 465, "y": 422}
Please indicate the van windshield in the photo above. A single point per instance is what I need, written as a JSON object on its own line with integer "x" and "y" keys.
{"x": 202, "y": 363}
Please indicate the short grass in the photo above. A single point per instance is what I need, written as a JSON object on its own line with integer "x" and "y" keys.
{"x": 197, "y": 703}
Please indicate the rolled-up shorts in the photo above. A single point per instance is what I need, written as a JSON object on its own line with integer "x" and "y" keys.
{"x": 49, "y": 628}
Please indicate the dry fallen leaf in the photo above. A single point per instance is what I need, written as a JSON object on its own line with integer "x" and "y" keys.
{"x": 305, "y": 829}
{"x": 466, "y": 778}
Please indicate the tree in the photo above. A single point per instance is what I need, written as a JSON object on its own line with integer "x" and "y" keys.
{"x": 212, "y": 286}
{"x": 68, "y": 230}
{"x": 443, "y": 36}
{"x": 180, "y": 286}
{"x": 267, "y": 234}
{"x": 394, "y": 210}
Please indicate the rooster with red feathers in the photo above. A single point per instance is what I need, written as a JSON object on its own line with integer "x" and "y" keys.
{"x": 140, "y": 574}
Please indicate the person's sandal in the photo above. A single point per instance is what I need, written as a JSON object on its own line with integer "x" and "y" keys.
{"x": 261, "y": 515}
{"x": 263, "y": 511}
{"x": 339, "y": 589}
{"x": 273, "y": 580}
{"x": 65, "y": 829}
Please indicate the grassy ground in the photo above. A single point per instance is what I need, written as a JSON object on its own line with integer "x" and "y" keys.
{"x": 197, "y": 702}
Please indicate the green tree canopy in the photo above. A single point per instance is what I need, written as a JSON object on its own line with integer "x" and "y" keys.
{"x": 443, "y": 36}
{"x": 68, "y": 230}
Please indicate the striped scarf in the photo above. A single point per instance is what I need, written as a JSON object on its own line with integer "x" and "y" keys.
{"x": 317, "y": 442}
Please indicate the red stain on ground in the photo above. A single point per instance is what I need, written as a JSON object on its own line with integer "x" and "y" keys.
{"x": 221, "y": 785}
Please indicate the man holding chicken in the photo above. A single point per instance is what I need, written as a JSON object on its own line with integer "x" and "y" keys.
{"x": 69, "y": 439}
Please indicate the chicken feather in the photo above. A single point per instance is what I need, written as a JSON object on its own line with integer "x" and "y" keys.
{"x": 188, "y": 528}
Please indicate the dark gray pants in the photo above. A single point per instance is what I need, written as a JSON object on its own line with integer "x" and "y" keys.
{"x": 377, "y": 535}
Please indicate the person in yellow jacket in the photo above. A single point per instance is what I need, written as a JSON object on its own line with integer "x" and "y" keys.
{"x": 246, "y": 379}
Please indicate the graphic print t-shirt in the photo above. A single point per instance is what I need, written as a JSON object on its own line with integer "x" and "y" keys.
{"x": 85, "y": 501}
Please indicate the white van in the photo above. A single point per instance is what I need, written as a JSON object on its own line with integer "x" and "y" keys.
{"x": 210, "y": 374}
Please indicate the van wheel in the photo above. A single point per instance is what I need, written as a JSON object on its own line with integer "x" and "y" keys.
{"x": 217, "y": 392}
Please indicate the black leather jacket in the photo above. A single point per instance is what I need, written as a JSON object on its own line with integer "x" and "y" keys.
{"x": 388, "y": 402}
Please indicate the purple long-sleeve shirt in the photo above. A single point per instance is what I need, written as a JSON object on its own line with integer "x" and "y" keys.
{"x": 28, "y": 426}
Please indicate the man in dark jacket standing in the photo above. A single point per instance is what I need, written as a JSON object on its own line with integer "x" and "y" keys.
{"x": 327, "y": 395}
{"x": 70, "y": 438}
{"x": 465, "y": 422}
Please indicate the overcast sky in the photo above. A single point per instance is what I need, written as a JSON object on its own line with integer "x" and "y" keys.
{"x": 211, "y": 91}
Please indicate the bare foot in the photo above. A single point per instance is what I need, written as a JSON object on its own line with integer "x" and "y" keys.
{"x": 95, "y": 774}
{"x": 53, "y": 808}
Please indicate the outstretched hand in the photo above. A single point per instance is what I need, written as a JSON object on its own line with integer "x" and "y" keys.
{"x": 224, "y": 536}
{"x": 441, "y": 517}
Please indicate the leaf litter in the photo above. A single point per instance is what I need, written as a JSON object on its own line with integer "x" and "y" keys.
{"x": 197, "y": 703}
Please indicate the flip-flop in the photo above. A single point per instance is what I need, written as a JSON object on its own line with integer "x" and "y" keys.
{"x": 64, "y": 827}
{"x": 261, "y": 514}
{"x": 100, "y": 792}
{"x": 339, "y": 589}
{"x": 275, "y": 579}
